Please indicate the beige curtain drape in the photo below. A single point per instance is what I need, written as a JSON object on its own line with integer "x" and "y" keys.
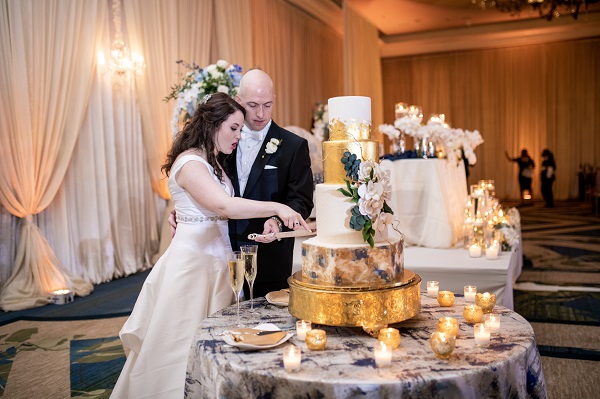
{"x": 164, "y": 32}
{"x": 234, "y": 43}
{"x": 362, "y": 62}
{"x": 48, "y": 54}
{"x": 302, "y": 56}
{"x": 533, "y": 97}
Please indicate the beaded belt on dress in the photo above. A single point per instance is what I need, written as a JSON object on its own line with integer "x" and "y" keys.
{"x": 188, "y": 219}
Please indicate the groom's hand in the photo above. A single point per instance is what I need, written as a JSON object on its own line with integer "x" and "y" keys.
{"x": 271, "y": 227}
{"x": 173, "y": 222}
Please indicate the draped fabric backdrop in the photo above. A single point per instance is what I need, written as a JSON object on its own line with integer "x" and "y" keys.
{"x": 45, "y": 90}
{"x": 533, "y": 97}
{"x": 362, "y": 64}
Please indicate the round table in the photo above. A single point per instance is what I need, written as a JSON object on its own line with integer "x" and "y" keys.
{"x": 509, "y": 367}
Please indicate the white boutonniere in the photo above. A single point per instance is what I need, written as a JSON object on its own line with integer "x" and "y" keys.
{"x": 272, "y": 146}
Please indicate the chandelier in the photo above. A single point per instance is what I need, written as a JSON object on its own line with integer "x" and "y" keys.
{"x": 548, "y": 9}
{"x": 120, "y": 60}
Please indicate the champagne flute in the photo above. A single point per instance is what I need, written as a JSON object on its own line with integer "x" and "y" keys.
{"x": 235, "y": 262}
{"x": 250, "y": 253}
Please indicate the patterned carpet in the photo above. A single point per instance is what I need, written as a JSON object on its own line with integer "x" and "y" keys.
{"x": 558, "y": 292}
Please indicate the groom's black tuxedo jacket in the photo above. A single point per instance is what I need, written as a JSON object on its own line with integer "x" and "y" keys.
{"x": 284, "y": 176}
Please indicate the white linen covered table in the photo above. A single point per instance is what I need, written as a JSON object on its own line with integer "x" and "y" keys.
{"x": 428, "y": 200}
{"x": 454, "y": 269}
{"x": 510, "y": 367}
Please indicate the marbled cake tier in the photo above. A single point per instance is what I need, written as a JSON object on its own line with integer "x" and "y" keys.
{"x": 347, "y": 265}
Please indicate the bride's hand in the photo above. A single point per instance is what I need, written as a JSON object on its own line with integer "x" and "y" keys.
{"x": 292, "y": 219}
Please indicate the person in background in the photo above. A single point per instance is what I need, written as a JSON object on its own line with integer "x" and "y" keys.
{"x": 191, "y": 279}
{"x": 526, "y": 166}
{"x": 548, "y": 176}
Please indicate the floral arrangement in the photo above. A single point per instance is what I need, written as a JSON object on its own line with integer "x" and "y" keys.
{"x": 369, "y": 187}
{"x": 390, "y": 131}
{"x": 458, "y": 143}
{"x": 198, "y": 82}
{"x": 321, "y": 121}
{"x": 509, "y": 229}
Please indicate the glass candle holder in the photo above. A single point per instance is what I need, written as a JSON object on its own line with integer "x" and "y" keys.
{"x": 432, "y": 288}
{"x": 473, "y": 314}
{"x": 302, "y": 326}
{"x": 442, "y": 344}
{"x": 493, "y": 322}
{"x": 486, "y": 300}
{"x": 470, "y": 291}
{"x": 446, "y": 298}
{"x": 482, "y": 335}
{"x": 475, "y": 251}
{"x": 492, "y": 250}
{"x": 390, "y": 337}
{"x": 448, "y": 325}
{"x": 316, "y": 340}
{"x": 292, "y": 358}
{"x": 383, "y": 354}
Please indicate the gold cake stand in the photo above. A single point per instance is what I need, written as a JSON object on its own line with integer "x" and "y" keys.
{"x": 371, "y": 307}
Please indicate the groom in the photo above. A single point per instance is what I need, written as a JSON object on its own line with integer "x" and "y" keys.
{"x": 269, "y": 164}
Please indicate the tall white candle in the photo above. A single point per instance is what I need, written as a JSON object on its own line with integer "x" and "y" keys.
{"x": 470, "y": 291}
{"x": 292, "y": 358}
{"x": 383, "y": 354}
{"x": 482, "y": 335}
{"x": 432, "y": 288}
{"x": 302, "y": 326}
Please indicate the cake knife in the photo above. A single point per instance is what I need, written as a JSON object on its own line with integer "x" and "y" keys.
{"x": 286, "y": 234}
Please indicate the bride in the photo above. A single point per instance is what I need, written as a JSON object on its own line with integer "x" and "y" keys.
{"x": 190, "y": 281}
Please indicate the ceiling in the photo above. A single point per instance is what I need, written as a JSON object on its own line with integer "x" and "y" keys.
{"x": 410, "y": 27}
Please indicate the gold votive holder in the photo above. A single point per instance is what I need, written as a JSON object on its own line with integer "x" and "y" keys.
{"x": 486, "y": 300}
{"x": 442, "y": 344}
{"x": 390, "y": 337}
{"x": 473, "y": 314}
{"x": 445, "y": 298}
{"x": 448, "y": 325}
{"x": 316, "y": 340}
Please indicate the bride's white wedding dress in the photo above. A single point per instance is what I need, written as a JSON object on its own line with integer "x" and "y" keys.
{"x": 188, "y": 283}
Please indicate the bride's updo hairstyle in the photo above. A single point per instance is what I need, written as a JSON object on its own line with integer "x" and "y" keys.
{"x": 201, "y": 131}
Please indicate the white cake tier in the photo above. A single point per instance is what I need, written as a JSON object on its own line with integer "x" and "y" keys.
{"x": 346, "y": 108}
{"x": 347, "y": 265}
{"x": 333, "y": 217}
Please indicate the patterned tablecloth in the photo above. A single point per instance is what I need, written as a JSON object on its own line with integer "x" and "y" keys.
{"x": 509, "y": 367}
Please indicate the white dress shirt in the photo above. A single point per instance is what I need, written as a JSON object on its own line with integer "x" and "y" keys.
{"x": 248, "y": 148}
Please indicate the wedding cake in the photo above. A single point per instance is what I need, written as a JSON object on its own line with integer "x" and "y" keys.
{"x": 338, "y": 254}
{"x": 353, "y": 270}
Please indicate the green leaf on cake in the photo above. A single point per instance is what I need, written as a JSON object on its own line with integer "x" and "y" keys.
{"x": 386, "y": 208}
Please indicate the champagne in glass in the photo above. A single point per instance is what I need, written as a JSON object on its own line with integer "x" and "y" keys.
{"x": 250, "y": 253}
{"x": 235, "y": 262}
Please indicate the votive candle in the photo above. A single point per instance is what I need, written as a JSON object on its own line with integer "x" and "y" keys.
{"x": 433, "y": 288}
{"x": 470, "y": 291}
{"x": 492, "y": 252}
{"x": 390, "y": 337}
{"x": 302, "y": 326}
{"x": 448, "y": 325}
{"x": 316, "y": 340}
{"x": 473, "y": 314}
{"x": 292, "y": 358}
{"x": 475, "y": 251}
{"x": 486, "y": 300}
{"x": 445, "y": 298}
{"x": 442, "y": 344}
{"x": 482, "y": 335}
{"x": 493, "y": 322}
{"x": 383, "y": 354}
